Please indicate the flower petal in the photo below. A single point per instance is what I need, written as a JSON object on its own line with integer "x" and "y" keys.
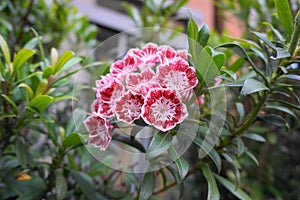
{"x": 177, "y": 75}
{"x": 100, "y": 131}
{"x": 163, "y": 109}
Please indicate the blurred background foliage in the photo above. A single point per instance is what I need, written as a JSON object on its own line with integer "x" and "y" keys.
{"x": 42, "y": 155}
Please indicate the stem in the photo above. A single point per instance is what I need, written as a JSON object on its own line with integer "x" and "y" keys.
{"x": 250, "y": 118}
{"x": 173, "y": 183}
{"x": 295, "y": 35}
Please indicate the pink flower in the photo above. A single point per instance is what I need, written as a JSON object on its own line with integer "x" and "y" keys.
{"x": 183, "y": 54}
{"x": 177, "y": 75}
{"x": 100, "y": 131}
{"x": 200, "y": 99}
{"x": 141, "y": 82}
{"x": 121, "y": 68}
{"x": 106, "y": 98}
{"x": 217, "y": 81}
{"x": 163, "y": 109}
{"x": 166, "y": 53}
{"x": 128, "y": 107}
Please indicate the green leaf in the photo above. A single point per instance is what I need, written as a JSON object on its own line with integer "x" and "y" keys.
{"x": 28, "y": 89}
{"x": 86, "y": 184}
{"x": 11, "y": 102}
{"x": 263, "y": 37}
{"x": 288, "y": 104}
{"x": 281, "y": 53}
{"x": 31, "y": 44}
{"x": 240, "y": 146}
{"x": 70, "y": 64}
{"x": 3, "y": 116}
{"x": 5, "y": 49}
{"x": 61, "y": 184}
{"x": 147, "y": 186}
{"x": 214, "y": 155}
{"x": 213, "y": 191}
{"x": 21, "y": 57}
{"x": 250, "y": 155}
{"x": 36, "y": 187}
{"x": 75, "y": 121}
{"x": 254, "y": 136}
{"x": 219, "y": 59}
{"x": 134, "y": 13}
{"x": 22, "y": 153}
{"x": 41, "y": 102}
{"x": 203, "y": 35}
{"x": 64, "y": 58}
{"x": 282, "y": 109}
{"x": 231, "y": 187}
{"x": 272, "y": 119}
{"x": 181, "y": 163}
{"x": 159, "y": 144}
{"x": 251, "y": 86}
{"x": 291, "y": 77}
{"x": 285, "y": 16}
{"x": 72, "y": 140}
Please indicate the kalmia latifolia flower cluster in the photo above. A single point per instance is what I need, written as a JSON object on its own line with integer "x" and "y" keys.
{"x": 147, "y": 84}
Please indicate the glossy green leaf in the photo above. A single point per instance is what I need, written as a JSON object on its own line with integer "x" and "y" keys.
{"x": 281, "y": 53}
{"x": 85, "y": 183}
{"x": 254, "y": 136}
{"x": 175, "y": 174}
{"x": 213, "y": 191}
{"x": 31, "y": 44}
{"x": 72, "y": 139}
{"x": 75, "y": 121}
{"x": 73, "y": 61}
{"x": 251, "y": 86}
{"x": 291, "y": 77}
{"x": 21, "y": 57}
{"x": 286, "y": 103}
{"x": 219, "y": 59}
{"x": 5, "y": 49}
{"x": 159, "y": 144}
{"x": 147, "y": 186}
{"x": 284, "y": 14}
{"x": 61, "y": 185}
{"x": 203, "y": 35}
{"x": 230, "y": 73}
{"x": 240, "y": 146}
{"x": 41, "y": 102}
{"x": 181, "y": 163}
{"x": 231, "y": 187}
{"x": 215, "y": 157}
{"x": 64, "y": 58}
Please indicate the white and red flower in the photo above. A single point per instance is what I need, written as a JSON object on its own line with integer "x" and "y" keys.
{"x": 149, "y": 84}
{"x": 177, "y": 75}
{"x": 163, "y": 109}
{"x": 100, "y": 131}
{"x": 128, "y": 107}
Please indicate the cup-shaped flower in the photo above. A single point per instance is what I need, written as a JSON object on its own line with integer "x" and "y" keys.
{"x": 128, "y": 107}
{"x": 100, "y": 131}
{"x": 163, "y": 109}
{"x": 177, "y": 75}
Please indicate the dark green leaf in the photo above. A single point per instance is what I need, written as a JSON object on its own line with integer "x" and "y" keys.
{"x": 22, "y": 153}
{"x": 240, "y": 146}
{"x": 251, "y": 86}
{"x": 282, "y": 109}
{"x": 41, "y": 102}
{"x": 5, "y": 49}
{"x": 231, "y": 187}
{"x": 272, "y": 119}
{"x": 281, "y": 53}
{"x": 254, "y": 136}
{"x": 248, "y": 153}
{"x": 288, "y": 104}
{"x": 214, "y": 155}
{"x": 291, "y": 77}
{"x": 181, "y": 163}
{"x": 61, "y": 185}
{"x": 213, "y": 191}
{"x": 147, "y": 186}
{"x": 86, "y": 184}
{"x": 285, "y": 16}
{"x": 21, "y": 57}
{"x": 36, "y": 187}
{"x": 175, "y": 174}
{"x": 203, "y": 35}
{"x": 159, "y": 144}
